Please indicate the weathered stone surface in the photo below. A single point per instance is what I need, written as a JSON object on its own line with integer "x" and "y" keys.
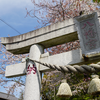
{"x": 55, "y": 34}
{"x": 59, "y": 33}
{"x": 33, "y": 78}
{"x": 62, "y": 59}
{"x": 72, "y": 57}
{"x": 89, "y": 34}
{"x": 15, "y": 70}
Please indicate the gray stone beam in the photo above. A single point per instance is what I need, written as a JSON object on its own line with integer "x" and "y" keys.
{"x": 59, "y": 33}
{"x": 52, "y": 35}
{"x": 15, "y": 70}
{"x": 72, "y": 57}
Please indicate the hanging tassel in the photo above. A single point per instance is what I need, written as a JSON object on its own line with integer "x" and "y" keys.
{"x": 94, "y": 86}
{"x": 64, "y": 90}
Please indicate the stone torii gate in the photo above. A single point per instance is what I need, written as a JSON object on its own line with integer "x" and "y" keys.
{"x": 34, "y": 43}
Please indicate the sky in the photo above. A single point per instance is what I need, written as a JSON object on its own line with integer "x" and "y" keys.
{"x": 13, "y": 12}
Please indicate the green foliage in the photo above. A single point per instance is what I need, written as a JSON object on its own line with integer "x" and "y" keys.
{"x": 96, "y": 1}
{"x": 79, "y": 84}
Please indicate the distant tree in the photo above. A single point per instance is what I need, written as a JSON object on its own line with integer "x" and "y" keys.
{"x": 96, "y": 1}
{"x": 21, "y": 95}
{"x": 53, "y": 11}
{"x": 7, "y": 58}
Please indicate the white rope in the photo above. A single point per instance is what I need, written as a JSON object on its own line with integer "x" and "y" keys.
{"x": 75, "y": 68}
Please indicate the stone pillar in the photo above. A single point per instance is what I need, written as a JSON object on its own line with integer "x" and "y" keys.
{"x": 33, "y": 78}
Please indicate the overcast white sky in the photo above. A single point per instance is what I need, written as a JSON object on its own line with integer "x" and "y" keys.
{"x": 13, "y": 12}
